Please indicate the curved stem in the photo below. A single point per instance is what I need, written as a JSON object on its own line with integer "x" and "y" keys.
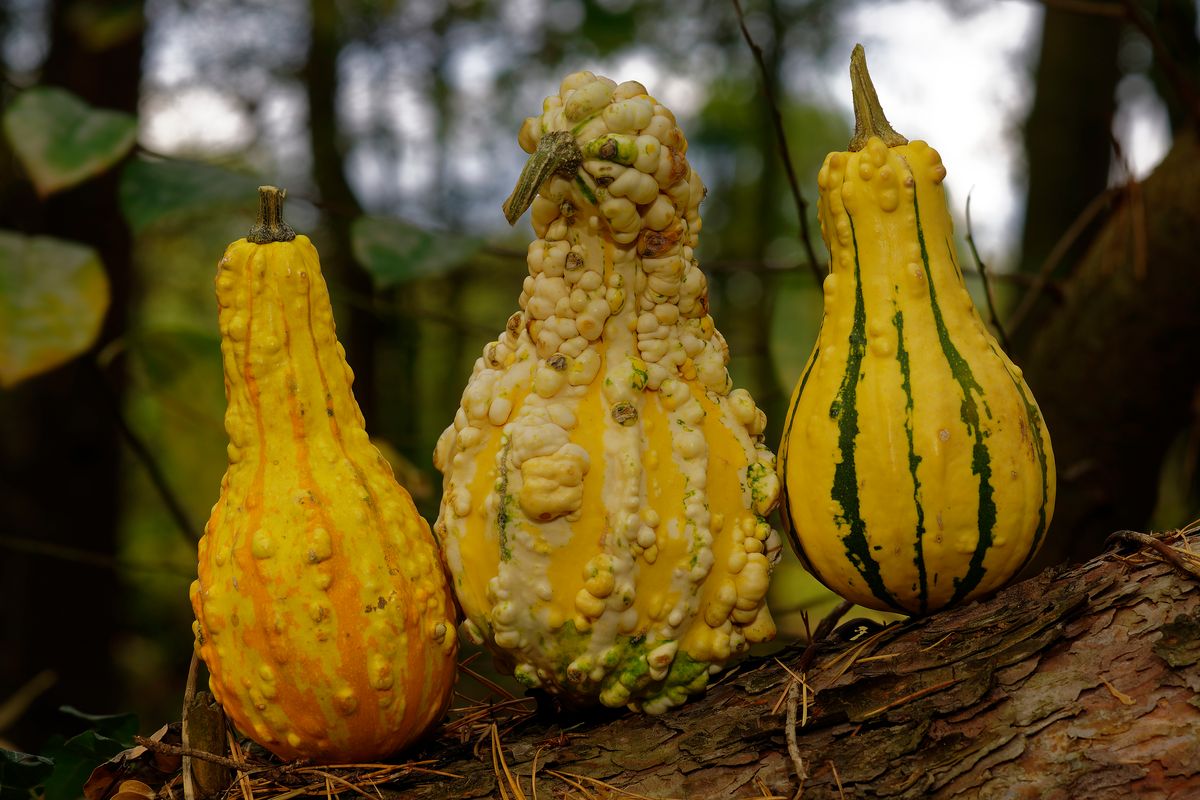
{"x": 557, "y": 152}
{"x": 270, "y": 226}
{"x": 868, "y": 114}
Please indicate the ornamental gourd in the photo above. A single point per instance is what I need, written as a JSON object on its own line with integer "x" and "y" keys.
{"x": 322, "y": 610}
{"x": 605, "y": 485}
{"x": 917, "y": 469}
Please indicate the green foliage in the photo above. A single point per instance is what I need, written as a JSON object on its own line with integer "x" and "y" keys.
{"x": 53, "y": 297}
{"x": 21, "y": 772}
{"x": 609, "y": 30}
{"x": 394, "y": 252}
{"x": 119, "y": 727}
{"x": 60, "y": 772}
{"x": 163, "y": 191}
{"x": 61, "y": 140}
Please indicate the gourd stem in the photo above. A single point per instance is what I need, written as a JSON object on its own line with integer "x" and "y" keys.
{"x": 868, "y": 114}
{"x": 270, "y": 226}
{"x": 557, "y": 152}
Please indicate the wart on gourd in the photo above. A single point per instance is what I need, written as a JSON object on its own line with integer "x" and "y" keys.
{"x": 634, "y": 561}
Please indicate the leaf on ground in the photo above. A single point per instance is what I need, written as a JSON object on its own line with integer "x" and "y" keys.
{"x": 120, "y": 727}
{"x": 60, "y": 140}
{"x": 74, "y": 761}
{"x": 20, "y": 772}
{"x": 136, "y": 763}
{"x": 394, "y": 252}
{"x": 53, "y": 297}
{"x": 151, "y": 191}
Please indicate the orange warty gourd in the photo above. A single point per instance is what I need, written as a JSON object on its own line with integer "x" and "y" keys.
{"x": 322, "y": 610}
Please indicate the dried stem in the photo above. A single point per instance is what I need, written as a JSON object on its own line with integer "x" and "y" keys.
{"x": 270, "y": 226}
{"x": 869, "y": 119}
{"x": 784, "y": 153}
{"x": 556, "y": 152}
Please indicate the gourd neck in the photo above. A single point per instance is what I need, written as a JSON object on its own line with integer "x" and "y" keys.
{"x": 557, "y": 152}
{"x": 270, "y": 226}
{"x": 869, "y": 119}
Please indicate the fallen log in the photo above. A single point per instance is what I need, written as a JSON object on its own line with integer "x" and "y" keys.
{"x": 1082, "y": 682}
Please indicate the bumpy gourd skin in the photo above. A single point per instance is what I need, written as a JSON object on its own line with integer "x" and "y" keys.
{"x": 605, "y": 486}
{"x": 918, "y": 471}
{"x": 322, "y": 610}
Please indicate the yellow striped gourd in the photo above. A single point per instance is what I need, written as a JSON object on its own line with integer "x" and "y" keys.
{"x": 917, "y": 469}
{"x": 605, "y": 485}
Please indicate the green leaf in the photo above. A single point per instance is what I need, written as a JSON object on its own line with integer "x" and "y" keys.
{"x": 20, "y": 772}
{"x": 53, "y": 297}
{"x": 62, "y": 141}
{"x": 120, "y": 727}
{"x": 395, "y": 252}
{"x": 151, "y": 191}
{"x": 74, "y": 761}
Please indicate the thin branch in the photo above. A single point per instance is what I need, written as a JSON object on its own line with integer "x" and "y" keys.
{"x": 784, "y": 153}
{"x": 793, "y": 693}
{"x": 176, "y": 750}
{"x": 12, "y": 708}
{"x": 1179, "y": 78}
{"x": 143, "y": 454}
{"x": 1064, "y": 243}
{"x": 189, "y": 693}
{"x": 824, "y": 628}
{"x": 988, "y": 294}
{"x": 1185, "y": 562}
{"x": 78, "y": 555}
{"x": 790, "y": 731}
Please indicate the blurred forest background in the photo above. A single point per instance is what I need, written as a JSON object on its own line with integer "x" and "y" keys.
{"x": 393, "y": 126}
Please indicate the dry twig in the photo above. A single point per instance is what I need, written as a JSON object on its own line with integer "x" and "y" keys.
{"x": 988, "y": 294}
{"x": 1185, "y": 562}
{"x": 1057, "y": 253}
{"x": 784, "y": 154}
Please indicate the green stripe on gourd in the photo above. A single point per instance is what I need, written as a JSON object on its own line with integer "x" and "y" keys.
{"x": 980, "y": 459}
{"x": 917, "y": 472}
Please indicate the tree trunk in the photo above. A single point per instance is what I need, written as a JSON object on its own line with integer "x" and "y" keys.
{"x": 1068, "y": 133}
{"x": 59, "y": 476}
{"x": 338, "y": 202}
{"x": 1115, "y": 369}
{"x": 1079, "y": 683}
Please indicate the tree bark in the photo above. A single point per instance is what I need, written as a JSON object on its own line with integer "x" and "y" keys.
{"x": 1079, "y": 683}
{"x": 1115, "y": 368}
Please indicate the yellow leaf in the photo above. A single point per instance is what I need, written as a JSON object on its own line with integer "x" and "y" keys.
{"x": 53, "y": 297}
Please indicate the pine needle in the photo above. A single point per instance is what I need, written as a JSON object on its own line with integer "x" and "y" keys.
{"x": 503, "y": 773}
